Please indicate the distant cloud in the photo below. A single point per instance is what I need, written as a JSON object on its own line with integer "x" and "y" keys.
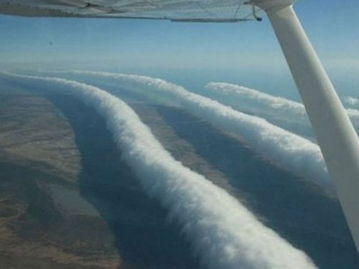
{"x": 286, "y": 113}
{"x": 349, "y": 100}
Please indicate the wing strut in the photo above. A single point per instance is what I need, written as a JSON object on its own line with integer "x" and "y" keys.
{"x": 335, "y": 134}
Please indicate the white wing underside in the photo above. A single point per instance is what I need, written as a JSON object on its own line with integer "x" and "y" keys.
{"x": 177, "y": 10}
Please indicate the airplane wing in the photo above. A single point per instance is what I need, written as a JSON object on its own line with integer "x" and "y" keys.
{"x": 175, "y": 10}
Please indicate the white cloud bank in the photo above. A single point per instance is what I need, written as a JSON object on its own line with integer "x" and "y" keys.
{"x": 288, "y": 114}
{"x": 290, "y": 151}
{"x": 224, "y": 233}
{"x": 226, "y": 92}
{"x": 352, "y": 101}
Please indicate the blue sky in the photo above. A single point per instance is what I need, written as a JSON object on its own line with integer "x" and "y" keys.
{"x": 136, "y": 45}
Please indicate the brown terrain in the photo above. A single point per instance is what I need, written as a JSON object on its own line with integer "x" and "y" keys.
{"x": 44, "y": 220}
{"x": 67, "y": 200}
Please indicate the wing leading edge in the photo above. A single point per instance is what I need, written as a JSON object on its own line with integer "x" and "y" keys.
{"x": 175, "y": 10}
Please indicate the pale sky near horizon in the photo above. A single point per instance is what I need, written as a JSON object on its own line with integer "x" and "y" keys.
{"x": 332, "y": 25}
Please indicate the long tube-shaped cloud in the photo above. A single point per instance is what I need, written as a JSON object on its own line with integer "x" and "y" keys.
{"x": 251, "y": 95}
{"x": 291, "y": 151}
{"x": 287, "y": 113}
{"x": 222, "y": 230}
